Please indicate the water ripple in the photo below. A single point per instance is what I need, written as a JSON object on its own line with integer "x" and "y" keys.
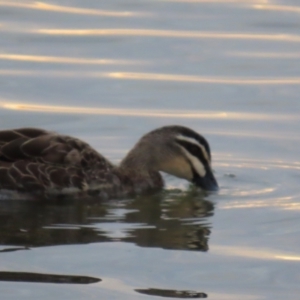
{"x": 65, "y": 60}
{"x": 170, "y": 34}
{"x": 267, "y": 183}
{"x": 8, "y": 104}
{"x": 67, "y": 9}
{"x": 254, "y": 81}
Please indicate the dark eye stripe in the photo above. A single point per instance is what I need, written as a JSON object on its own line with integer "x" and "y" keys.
{"x": 194, "y": 150}
{"x": 202, "y": 141}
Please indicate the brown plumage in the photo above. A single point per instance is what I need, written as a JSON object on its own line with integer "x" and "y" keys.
{"x": 38, "y": 162}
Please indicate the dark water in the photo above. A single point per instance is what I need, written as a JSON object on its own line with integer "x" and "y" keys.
{"x": 109, "y": 71}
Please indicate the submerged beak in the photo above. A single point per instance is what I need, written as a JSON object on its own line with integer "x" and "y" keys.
{"x": 208, "y": 182}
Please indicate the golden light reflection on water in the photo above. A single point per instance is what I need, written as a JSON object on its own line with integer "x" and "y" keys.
{"x": 248, "y": 199}
{"x": 155, "y": 77}
{"x": 256, "y": 4}
{"x": 253, "y": 192}
{"x": 66, "y": 60}
{"x": 281, "y": 8}
{"x": 202, "y": 79}
{"x": 139, "y": 112}
{"x": 287, "y": 257}
{"x": 276, "y": 202}
{"x": 265, "y": 254}
{"x": 279, "y": 195}
{"x": 170, "y": 34}
{"x": 264, "y": 55}
{"x": 237, "y": 162}
{"x": 66, "y": 9}
{"x": 255, "y": 134}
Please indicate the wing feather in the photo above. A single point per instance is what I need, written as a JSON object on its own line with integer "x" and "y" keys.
{"x": 34, "y": 159}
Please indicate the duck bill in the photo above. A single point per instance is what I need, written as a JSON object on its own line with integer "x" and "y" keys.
{"x": 207, "y": 183}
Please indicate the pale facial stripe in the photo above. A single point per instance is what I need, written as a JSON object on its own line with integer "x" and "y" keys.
{"x": 195, "y": 142}
{"x": 197, "y": 165}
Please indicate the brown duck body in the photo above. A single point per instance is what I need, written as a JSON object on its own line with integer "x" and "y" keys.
{"x": 35, "y": 162}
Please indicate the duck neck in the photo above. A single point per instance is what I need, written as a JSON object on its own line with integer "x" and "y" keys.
{"x": 140, "y": 172}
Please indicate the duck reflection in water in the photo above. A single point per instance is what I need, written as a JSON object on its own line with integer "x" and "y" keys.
{"x": 147, "y": 221}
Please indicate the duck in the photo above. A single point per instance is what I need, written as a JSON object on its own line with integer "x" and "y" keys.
{"x": 37, "y": 162}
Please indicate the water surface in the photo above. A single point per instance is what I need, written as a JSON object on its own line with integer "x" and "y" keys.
{"x": 108, "y": 72}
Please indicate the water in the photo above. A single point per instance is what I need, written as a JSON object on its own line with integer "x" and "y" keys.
{"x": 108, "y": 72}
